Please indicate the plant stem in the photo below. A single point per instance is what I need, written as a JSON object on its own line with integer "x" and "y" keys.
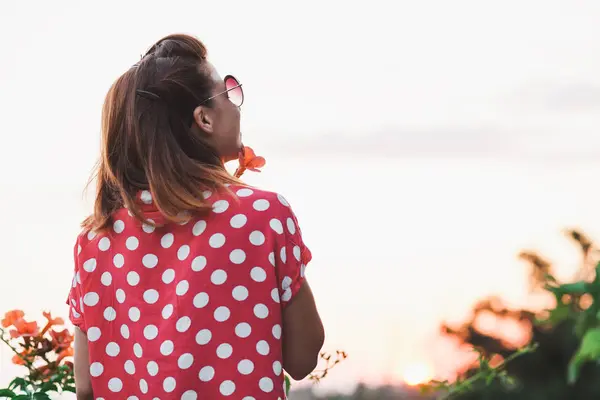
{"x": 28, "y": 363}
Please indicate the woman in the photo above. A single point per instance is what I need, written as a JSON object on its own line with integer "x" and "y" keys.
{"x": 188, "y": 284}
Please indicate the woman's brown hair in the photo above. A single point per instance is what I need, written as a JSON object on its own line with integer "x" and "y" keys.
{"x": 149, "y": 141}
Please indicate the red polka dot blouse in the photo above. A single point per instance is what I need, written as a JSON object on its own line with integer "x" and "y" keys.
{"x": 191, "y": 310}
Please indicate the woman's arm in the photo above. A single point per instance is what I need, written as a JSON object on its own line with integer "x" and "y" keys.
{"x": 83, "y": 383}
{"x": 303, "y": 334}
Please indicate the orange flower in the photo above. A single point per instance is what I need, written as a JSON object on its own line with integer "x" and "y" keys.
{"x": 24, "y": 328}
{"x": 51, "y": 321}
{"x": 25, "y": 354}
{"x": 61, "y": 340}
{"x": 249, "y": 161}
{"x": 11, "y": 316}
{"x": 67, "y": 352}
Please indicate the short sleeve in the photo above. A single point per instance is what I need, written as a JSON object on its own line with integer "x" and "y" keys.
{"x": 75, "y": 299}
{"x": 292, "y": 255}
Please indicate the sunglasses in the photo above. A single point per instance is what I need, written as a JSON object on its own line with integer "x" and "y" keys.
{"x": 234, "y": 91}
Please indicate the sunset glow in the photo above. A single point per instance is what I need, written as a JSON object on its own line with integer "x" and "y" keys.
{"x": 416, "y": 374}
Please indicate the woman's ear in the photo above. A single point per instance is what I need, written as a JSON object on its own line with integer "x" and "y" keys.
{"x": 204, "y": 119}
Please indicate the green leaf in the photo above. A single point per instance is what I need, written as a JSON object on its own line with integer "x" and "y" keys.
{"x": 7, "y": 393}
{"x": 580, "y": 287}
{"x": 41, "y": 396}
{"x": 288, "y": 385}
{"x": 18, "y": 383}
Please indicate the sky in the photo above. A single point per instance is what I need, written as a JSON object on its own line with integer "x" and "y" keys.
{"x": 421, "y": 144}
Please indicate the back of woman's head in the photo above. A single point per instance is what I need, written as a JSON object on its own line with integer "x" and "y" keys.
{"x": 151, "y": 139}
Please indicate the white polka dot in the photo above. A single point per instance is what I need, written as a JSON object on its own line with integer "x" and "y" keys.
{"x": 119, "y": 226}
{"x": 291, "y": 226}
{"x": 184, "y": 216}
{"x": 238, "y": 221}
{"x": 132, "y": 243}
{"x": 90, "y": 265}
{"x": 258, "y": 274}
{"x": 146, "y": 197}
{"x": 169, "y": 384}
{"x": 150, "y": 261}
{"x": 227, "y": 388}
{"x": 262, "y": 347}
{"x": 296, "y": 252}
{"x": 104, "y": 244}
{"x": 252, "y": 398}
{"x": 167, "y": 311}
{"x": 166, "y": 348}
{"x": 283, "y": 254}
{"x": 276, "y": 331}
{"x": 302, "y": 270}
{"x": 261, "y": 205}
{"x": 78, "y": 249}
{"x": 245, "y": 367}
{"x": 183, "y": 324}
{"x": 261, "y": 311}
{"x": 199, "y": 228}
{"x": 277, "y": 368}
{"x": 150, "y": 332}
{"x": 119, "y": 260}
{"x": 115, "y": 385}
{"x": 224, "y": 350}
{"x": 151, "y": 296}
{"x": 257, "y": 238}
{"x": 286, "y": 282}
{"x": 243, "y": 329}
{"x": 287, "y": 295}
{"x": 282, "y": 200}
{"x": 206, "y": 194}
{"x": 198, "y": 263}
{"x": 218, "y": 277}
{"x": 168, "y": 276}
{"x": 275, "y": 295}
{"x": 96, "y": 369}
{"x": 272, "y": 258}
{"x": 206, "y": 373}
{"x": 134, "y": 314}
{"x": 106, "y": 278}
{"x": 200, "y": 300}
{"x": 143, "y": 386}
{"x": 240, "y": 293}
{"x": 276, "y": 225}
{"x": 222, "y": 314}
{"x": 91, "y": 235}
{"x": 220, "y": 206}
{"x": 245, "y": 192}
{"x": 203, "y": 337}
{"x": 266, "y": 385}
{"x": 152, "y": 368}
{"x": 189, "y": 395}
{"x": 110, "y": 314}
{"x": 149, "y": 228}
{"x": 182, "y": 288}
{"x": 237, "y": 256}
{"x": 125, "y": 331}
{"x": 112, "y": 349}
{"x": 167, "y": 240}
{"x": 217, "y": 240}
{"x": 185, "y": 361}
{"x": 137, "y": 350}
{"x": 183, "y": 252}
{"x": 93, "y": 333}
{"x": 133, "y": 278}
{"x": 129, "y": 367}
{"x": 91, "y": 299}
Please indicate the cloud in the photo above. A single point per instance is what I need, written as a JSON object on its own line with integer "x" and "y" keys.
{"x": 557, "y": 97}
{"x": 485, "y": 142}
